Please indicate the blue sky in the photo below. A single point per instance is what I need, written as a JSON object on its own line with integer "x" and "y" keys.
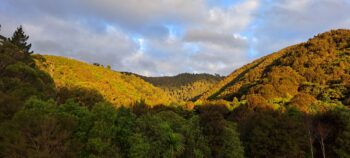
{"x": 167, "y": 37}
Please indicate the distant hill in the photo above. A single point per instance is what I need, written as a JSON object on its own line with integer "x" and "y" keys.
{"x": 184, "y": 86}
{"x": 115, "y": 87}
{"x": 316, "y": 70}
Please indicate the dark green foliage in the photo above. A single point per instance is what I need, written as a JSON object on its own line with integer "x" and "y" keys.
{"x": 232, "y": 146}
{"x": 20, "y": 79}
{"x": 125, "y": 128}
{"x": 139, "y": 148}
{"x": 331, "y": 130}
{"x": 19, "y": 39}
{"x": 101, "y": 135}
{"x": 83, "y": 96}
{"x": 342, "y": 141}
{"x": 270, "y": 134}
{"x": 163, "y": 136}
{"x": 196, "y": 143}
{"x": 221, "y": 135}
{"x": 39, "y": 130}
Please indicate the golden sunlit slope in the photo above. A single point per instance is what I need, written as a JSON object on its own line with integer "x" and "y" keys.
{"x": 184, "y": 86}
{"x": 234, "y": 81}
{"x": 115, "y": 87}
{"x": 318, "y": 69}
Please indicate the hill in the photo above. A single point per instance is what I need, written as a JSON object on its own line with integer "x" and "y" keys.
{"x": 115, "y": 87}
{"x": 316, "y": 70}
{"x": 184, "y": 86}
{"x": 68, "y": 113}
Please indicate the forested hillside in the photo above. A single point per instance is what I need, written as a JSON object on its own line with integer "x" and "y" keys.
{"x": 293, "y": 103}
{"x": 185, "y": 86}
{"x": 317, "y": 69}
{"x": 71, "y": 116}
{"x": 76, "y": 77}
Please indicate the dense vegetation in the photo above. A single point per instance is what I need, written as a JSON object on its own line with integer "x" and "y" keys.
{"x": 293, "y": 103}
{"x": 185, "y": 86}
{"x": 312, "y": 78}
{"x": 88, "y": 82}
{"x": 71, "y": 119}
{"x": 318, "y": 68}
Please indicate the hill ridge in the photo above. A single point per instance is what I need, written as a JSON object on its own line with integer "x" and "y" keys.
{"x": 117, "y": 88}
{"x": 323, "y": 61}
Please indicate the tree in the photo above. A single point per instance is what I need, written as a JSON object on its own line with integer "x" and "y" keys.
{"x": 163, "y": 133}
{"x": 271, "y": 134}
{"x": 174, "y": 141}
{"x": 139, "y": 147}
{"x": 232, "y": 146}
{"x": 101, "y": 137}
{"x": 124, "y": 124}
{"x": 19, "y": 38}
{"x": 196, "y": 144}
{"x": 2, "y": 38}
{"x": 323, "y": 131}
{"x": 39, "y": 130}
{"x": 342, "y": 142}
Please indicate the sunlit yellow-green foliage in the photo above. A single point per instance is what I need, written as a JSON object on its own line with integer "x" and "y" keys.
{"x": 191, "y": 91}
{"x": 117, "y": 88}
{"x": 185, "y": 86}
{"x": 313, "y": 73}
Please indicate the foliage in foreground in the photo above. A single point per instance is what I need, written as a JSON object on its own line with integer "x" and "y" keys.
{"x": 37, "y": 120}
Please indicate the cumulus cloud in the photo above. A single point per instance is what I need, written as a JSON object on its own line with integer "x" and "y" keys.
{"x": 73, "y": 39}
{"x": 282, "y": 23}
{"x": 166, "y": 37}
{"x": 223, "y": 39}
{"x": 236, "y": 17}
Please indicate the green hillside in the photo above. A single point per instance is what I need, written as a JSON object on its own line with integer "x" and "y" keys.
{"x": 293, "y": 104}
{"x": 185, "y": 86}
{"x": 317, "y": 70}
{"x": 117, "y": 88}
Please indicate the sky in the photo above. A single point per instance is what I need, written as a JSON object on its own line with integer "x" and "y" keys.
{"x": 167, "y": 37}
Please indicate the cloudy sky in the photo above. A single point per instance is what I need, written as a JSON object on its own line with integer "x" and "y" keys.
{"x": 166, "y": 37}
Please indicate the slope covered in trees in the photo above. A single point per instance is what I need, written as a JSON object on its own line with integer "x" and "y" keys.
{"x": 185, "y": 86}
{"x": 317, "y": 70}
{"x": 41, "y": 119}
{"x": 283, "y": 111}
{"x": 117, "y": 88}
{"x": 293, "y": 102}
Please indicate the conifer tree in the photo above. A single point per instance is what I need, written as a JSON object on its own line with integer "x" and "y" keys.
{"x": 19, "y": 38}
{"x": 2, "y": 38}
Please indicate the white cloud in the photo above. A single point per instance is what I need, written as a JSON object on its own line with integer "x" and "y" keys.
{"x": 284, "y": 22}
{"x": 235, "y": 18}
{"x": 210, "y": 37}
{"x": 166, "y": 37}
{"x": 102, "y": 31}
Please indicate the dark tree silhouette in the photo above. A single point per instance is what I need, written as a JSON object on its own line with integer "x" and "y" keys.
{"x": 19, "y": 38}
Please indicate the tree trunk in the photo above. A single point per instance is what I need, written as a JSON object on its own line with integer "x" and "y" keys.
{"x": 311, "y": 146}
{"x": 323, "y": 148}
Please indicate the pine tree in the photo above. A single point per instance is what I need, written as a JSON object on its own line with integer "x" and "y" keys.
{"x": 2, "y": 38}
{"x": 19, "y": 38}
